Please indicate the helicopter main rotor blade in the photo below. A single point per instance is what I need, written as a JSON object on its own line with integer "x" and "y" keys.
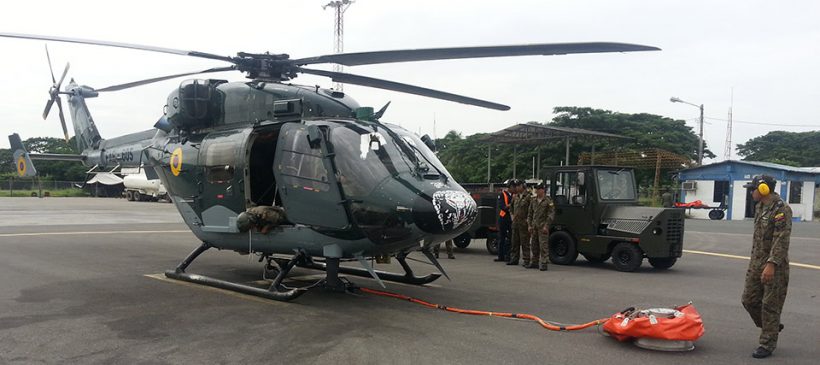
{"x": 162, "y": 78}
{"x": 428, "y": 54}
{"x": 119, "y": 45}
{"x": 405, "y": 88}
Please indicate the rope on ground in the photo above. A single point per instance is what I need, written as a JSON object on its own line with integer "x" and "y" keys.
{"x": 543, "y": 323}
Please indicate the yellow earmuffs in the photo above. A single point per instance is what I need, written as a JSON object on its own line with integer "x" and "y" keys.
{"x": 763, "y": 189}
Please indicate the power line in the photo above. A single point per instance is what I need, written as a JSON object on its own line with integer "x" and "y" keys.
{"x": 767, "y": 124}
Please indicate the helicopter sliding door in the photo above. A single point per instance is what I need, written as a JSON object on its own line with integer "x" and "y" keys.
{"x": 305, "y": 178}
{"x": 221, "y": 183}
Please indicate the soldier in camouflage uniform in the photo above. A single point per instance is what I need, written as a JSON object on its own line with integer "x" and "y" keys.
{"x": 263, "y": 218}
{"x": 542, "y": 212}
{"x": 448, "y": 246}
{"x": 520, "y": 231}
{"x": 767, "y": 278}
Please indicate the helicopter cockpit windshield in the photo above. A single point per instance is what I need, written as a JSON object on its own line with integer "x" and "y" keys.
{"x": 423, "y": 154}
{"x": 366, "y": 157}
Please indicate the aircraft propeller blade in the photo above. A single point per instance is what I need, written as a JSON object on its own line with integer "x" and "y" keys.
{"x": 48, "y": 108}
{"x": 428, "y": 54}
{"x": 162, "y": 78}
{"x": 62, "y": 118}
{"x": 55, "y": 89}
{"x": 60, "y": 83}
{"x": 405, "y": 88}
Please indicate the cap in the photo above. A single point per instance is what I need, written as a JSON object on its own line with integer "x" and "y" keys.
{"x": 757, "y": 180}
{"x": 541, "y": 185}
{"x": 509, "y": 182}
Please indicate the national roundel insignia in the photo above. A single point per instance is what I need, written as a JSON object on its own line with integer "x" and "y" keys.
{"x": 21, "y": 166}
{"x": 176, "y": 161}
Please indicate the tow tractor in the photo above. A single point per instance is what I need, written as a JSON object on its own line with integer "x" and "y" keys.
{"x": 597, "y": 215}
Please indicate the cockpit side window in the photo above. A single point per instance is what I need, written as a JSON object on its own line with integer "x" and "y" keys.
{"x": 302, "y": 165}
{"x": 219, "y": 157}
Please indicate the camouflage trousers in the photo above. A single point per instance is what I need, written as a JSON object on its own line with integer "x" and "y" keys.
{"x": 764, "y": 303}
{"x": 540, "y": 247}
{"x": 447, "y": 245}
{"x": 520, "y": 245}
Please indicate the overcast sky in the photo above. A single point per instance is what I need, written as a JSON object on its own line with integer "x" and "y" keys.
{"x": 767, "y": 52}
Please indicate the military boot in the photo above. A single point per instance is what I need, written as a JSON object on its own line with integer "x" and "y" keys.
{"x": 543, "y": 267}
{"x": 761, "y": 352}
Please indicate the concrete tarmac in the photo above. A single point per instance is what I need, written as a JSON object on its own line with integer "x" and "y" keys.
{"x": 80, "y": 282}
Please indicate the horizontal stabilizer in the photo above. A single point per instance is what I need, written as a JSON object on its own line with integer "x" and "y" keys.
{"x": 22, "y": 159}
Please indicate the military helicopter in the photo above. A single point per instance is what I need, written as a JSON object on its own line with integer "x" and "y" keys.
{"x": 350, "y": 187}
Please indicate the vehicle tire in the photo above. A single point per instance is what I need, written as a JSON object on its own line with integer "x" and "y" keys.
{"x": 596, "y": 259}
{"x": 627, "y": 256}
{"x": 563, "y": 250}
{"x": 662, "y": 263}
{"x": 463, "y": 240}
{"x": 128, "y": 196}
{"x": 716, "y": 215}
{"x": 492, "y": 245}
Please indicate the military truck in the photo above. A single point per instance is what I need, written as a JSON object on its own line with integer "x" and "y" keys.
{"x": 598, "y": 216}
{"x": 485, "y": 223}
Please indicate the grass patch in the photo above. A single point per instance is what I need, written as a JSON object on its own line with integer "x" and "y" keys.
{"x": 649, "y": 202}
{"x": 60, "y": 193}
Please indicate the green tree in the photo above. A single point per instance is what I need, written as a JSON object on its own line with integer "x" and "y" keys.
{"x": 787, "y": 148}
{"x": 6, "y": 162}
{"x": 52, "y": 170}
{"x": 466, "y": 157}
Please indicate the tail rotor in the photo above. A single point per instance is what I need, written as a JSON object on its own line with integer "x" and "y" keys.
{"x": 54, "y": 95}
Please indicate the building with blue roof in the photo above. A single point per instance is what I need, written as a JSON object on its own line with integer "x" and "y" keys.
{"x": 722, "y": 183}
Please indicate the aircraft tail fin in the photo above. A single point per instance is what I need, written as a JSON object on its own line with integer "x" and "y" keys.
{"x": 85, "y": 131}
{"x": 22, "y": 159}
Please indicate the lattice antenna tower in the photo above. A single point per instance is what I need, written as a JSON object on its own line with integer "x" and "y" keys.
{"x": 727, "y": 152}
{"x": 338, "y": 32}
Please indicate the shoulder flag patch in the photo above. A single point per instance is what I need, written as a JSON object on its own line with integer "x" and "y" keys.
{"x": 779, "y": 217}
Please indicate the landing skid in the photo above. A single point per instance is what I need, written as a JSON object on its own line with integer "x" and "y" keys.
{"x": 407, "y": 278}
{"x": 280, "y": 292}
{"x": 276, "y": 291}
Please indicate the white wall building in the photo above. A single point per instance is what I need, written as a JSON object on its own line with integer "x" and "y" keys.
{"x": 721, "y": 184}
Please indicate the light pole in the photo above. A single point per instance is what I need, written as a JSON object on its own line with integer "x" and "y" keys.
{"x": 700, "y": 134}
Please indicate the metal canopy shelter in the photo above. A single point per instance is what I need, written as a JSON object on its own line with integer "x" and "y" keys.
{"x": 648, "y": 158}
{"x": 538, "y": 134}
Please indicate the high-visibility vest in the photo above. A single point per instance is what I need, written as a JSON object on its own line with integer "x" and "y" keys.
{"x": 503, "y": 214}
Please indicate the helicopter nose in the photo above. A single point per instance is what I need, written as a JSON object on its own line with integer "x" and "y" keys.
{"x": 446, "y": 211}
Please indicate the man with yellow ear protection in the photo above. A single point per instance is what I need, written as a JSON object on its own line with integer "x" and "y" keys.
{"x": 768, "y": 275}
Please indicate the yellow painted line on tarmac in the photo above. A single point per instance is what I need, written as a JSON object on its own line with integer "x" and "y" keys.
{"x": 749, "y": 235}
{"x": 162, "y": 277}
{"x": 807, "y": 266}
{"x": 85, "y": 233}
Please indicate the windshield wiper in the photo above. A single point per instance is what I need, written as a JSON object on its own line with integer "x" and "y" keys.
{"x": 403, "y": 146}
{"x": 430, "y": 163}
